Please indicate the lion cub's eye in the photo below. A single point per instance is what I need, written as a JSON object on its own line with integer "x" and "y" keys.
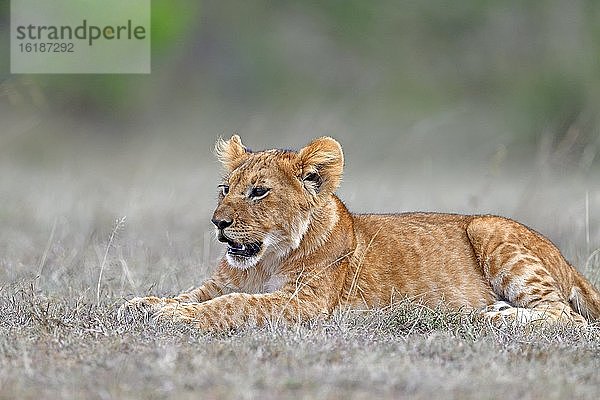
{"x": 224, "y": 189}
{"x": 258, "y": 193}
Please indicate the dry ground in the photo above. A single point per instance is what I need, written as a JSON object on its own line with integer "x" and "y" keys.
{"x": 67, "y": 259}
{"x": 69, "y": 348}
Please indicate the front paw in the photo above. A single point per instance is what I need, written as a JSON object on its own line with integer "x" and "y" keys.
{"x": 179, "y": 312}
{"x": 141, "y": 307}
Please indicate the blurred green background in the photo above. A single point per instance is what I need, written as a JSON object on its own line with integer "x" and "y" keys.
{"x": 466, "y": 106}
{"x": 528, "y": 69}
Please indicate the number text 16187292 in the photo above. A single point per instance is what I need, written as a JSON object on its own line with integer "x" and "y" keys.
{"x": 46, "y": 47}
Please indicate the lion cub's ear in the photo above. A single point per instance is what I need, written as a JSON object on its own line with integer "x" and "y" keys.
{"x": 322, "y": 165}
{"x": 230, "y": 152}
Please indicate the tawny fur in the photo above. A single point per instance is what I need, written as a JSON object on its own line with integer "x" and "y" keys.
{"x": 316, "y": 256}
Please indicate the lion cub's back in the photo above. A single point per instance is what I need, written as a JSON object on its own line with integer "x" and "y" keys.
{"x": 419, "y": 254}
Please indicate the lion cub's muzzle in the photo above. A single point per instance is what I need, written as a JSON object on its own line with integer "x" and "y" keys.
{"x": 243, "y": 250}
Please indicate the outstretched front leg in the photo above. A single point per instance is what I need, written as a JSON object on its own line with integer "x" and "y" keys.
{"x": 240, "y": 309}
{"x": 297, "y": 300}
{"x": 524, "y": 271}
{"x": 150, "y": 305}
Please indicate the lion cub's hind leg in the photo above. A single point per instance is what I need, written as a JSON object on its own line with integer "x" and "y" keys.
{"x": 502, "y": 313}
{"x": 518, "y": 275}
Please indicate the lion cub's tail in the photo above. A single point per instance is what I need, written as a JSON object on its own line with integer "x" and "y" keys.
{"x": 584, "y": 297}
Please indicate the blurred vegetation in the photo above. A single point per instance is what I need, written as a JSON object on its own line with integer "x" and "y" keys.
{"x": 115, "y": 94}
{"x": 531, "y": 68}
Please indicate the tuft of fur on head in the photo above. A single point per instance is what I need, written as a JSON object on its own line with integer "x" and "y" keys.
{"x": 322, "y": 165}
{"x": 231, "y": 153}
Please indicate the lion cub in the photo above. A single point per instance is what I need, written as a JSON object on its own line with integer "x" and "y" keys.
{"x": 295, "y": 252}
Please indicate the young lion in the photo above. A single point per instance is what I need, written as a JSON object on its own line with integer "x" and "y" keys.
{"x": 294, "y": 252}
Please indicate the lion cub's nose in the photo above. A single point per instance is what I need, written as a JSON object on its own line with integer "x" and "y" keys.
{"x": 222, "y": 223}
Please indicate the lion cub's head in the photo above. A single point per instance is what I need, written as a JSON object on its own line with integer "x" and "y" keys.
{"x": 268, "y": 199}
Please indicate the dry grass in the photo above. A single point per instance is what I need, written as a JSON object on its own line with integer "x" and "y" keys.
{"x": 69, "y": 347}
{"x": 65, "y": 268}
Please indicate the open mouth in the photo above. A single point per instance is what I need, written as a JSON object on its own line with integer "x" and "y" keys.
{"x": 240, "y": 249}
